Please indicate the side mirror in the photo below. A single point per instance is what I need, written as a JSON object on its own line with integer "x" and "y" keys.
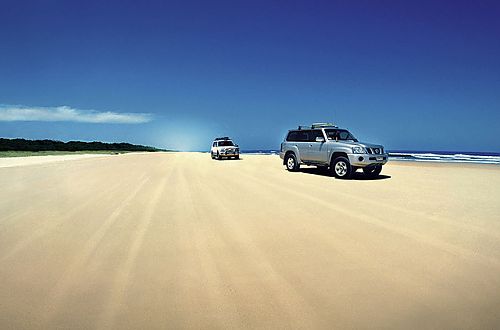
{"x": 320, "y": 139}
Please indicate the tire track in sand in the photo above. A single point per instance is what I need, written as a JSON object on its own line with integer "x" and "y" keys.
{"x": 46, "y": 229}
{"x": 72, "y": 275}
{"x": 115, "y": 301}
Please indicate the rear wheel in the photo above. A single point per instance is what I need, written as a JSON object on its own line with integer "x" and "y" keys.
{"x": 372, "y": 171}
{"x": 291, "y": 162}
{"x": 341, "y": 168}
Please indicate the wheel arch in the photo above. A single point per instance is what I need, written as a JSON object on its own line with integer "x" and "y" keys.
{"x": 338, "y": 154}
{"x": 294, "y": 152}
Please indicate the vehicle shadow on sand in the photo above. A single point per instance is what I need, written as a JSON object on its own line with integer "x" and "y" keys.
{"x": 228, "y": 159}
{"x": 356, "y": 176}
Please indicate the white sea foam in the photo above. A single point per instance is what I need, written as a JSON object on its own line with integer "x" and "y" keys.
{"x": 436, "y": 157}
{"x": 419, "y": 156}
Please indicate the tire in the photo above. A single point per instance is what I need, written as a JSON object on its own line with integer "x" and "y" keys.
{"x": 372, "y": 171}
{"x": 291, "y": 163}
{"x": 212, "y": 155}
{"x": 236, "y": 157}
{"x": 341, "y": 168}
{"x": 218, "y": 156}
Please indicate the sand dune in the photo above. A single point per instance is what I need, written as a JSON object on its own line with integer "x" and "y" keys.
{"x": 177, "y": 240}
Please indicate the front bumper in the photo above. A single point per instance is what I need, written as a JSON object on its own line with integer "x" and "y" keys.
{"x": 230, "y": 153}
{"x": 363, "y": 160}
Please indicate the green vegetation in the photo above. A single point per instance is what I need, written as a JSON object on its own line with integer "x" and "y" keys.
{"x": 56, "y": 153}
{"x": 22, "y": 147}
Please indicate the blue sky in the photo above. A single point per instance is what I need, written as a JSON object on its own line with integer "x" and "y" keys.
{"x": 419, "y": 75}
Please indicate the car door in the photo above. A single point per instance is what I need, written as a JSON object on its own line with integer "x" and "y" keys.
{"x": 316, "y": 150}
{"x": 301, "y": 142}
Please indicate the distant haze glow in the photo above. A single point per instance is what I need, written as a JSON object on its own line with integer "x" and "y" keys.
{"x": 420, "y": 75}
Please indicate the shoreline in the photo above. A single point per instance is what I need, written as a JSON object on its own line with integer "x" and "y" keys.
{"x": 443, "y": 163}
{"x": 6, "y": 162}
{"x": 44, "y": 159}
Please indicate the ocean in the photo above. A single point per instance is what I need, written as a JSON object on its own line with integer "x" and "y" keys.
{"x": 423, "y": 156}
{"x": 446, "y": 156}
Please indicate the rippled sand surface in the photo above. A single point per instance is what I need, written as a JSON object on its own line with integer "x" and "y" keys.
{"x": 177, "y": 240}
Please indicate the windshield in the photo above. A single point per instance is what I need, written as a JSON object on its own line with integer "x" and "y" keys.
{"x": 339, "y": 134}
{"x": 226, "y": 143}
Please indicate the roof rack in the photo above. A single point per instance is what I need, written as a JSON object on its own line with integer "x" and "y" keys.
{"x": 224, "y": 138}
{"x": 320, "y": 125}
{"x": 317, "y": 125}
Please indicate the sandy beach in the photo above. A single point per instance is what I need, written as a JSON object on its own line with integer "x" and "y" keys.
{"x": 177, "y": 240}
{"x": 36, "y": 160}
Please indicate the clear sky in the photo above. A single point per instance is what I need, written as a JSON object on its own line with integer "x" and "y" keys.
{"x": 414, "y": 75}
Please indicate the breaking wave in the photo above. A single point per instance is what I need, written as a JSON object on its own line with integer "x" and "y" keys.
{"x": 450, "y": 157}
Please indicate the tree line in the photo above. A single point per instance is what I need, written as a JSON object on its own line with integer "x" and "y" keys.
{"x": 52, "y": 145}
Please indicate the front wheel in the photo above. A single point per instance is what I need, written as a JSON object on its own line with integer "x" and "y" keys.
{"x": 291, "y": 163}
{"x": 372, "y": 171}
{"x": 341, "y": 168}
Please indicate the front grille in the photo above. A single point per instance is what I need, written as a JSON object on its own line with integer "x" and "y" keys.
{"x": 376, "y": 151}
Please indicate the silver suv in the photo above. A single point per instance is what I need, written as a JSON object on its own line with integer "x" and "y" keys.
{"x": 327, "y": 146}
{"x": 224, "y": 147}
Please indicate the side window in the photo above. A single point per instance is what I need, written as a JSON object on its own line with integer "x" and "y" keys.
{"x": 214, "y": 144}
{"x": 304, "y": 136}
{"x": 314, "y": 134}
{"x": 344, "y": 135}
{"x": 292, "y": 136}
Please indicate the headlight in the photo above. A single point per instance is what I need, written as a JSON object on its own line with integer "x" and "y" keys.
{"x": 358, "y": 150}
